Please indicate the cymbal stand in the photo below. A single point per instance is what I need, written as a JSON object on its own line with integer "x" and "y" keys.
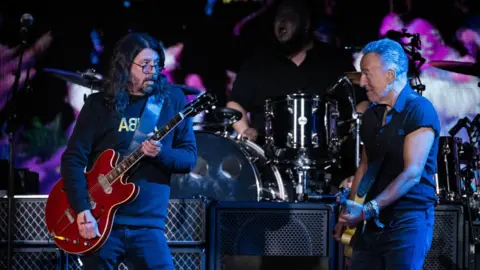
{"x": 358, "y": 121}
{"x": 299, "y": 173}
{"x": 471, "y": 171}
{"x": 357, "y": 118}
{"x": 474, "y": 135}
{"x": 412, "y": 50}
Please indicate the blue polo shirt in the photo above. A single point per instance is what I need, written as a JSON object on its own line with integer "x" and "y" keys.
{"x": 410, "y": 112}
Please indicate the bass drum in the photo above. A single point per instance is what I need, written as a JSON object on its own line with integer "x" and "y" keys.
{"x": 229, "y": 169}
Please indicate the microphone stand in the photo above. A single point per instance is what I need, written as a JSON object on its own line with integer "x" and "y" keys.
{"x": 357, "y": 117}
{"x": 12, "y": 126}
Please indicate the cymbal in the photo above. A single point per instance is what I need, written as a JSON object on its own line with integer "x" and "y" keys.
{"x": 227, "y": 114}
{"x": 87, "y": 79}
{"x": 224, "y": 117}
{"x": 466, "y": 68}
{"x": 354, "y": 76}
{"x": 94, "y": 81}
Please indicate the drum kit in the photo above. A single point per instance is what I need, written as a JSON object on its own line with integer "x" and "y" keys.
{"x": 458, "y": 167}
{"x": 301, "y": 143}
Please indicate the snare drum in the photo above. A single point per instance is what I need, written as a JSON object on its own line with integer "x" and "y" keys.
{"x": 299, "y": 121}
{"x": 229, "y": 169}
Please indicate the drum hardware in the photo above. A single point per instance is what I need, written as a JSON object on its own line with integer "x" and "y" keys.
{"x": 354, "y": 76}
{"x": 412, "y": 49}
{"x": 307, "y": 184}
{"x": 301, "y": 129}
{"x": 358, "y": 122}
{"x": 455, "y": 183}
{"x": 226, "y": 117}
{"x": 331, "y": 123}
{"x": 88, "y": 79}
{"x": 449, "y": 180}
{"x": 466, "y": 68}
{"x": 91, "y": 79}
{"x": 309, "y": 135}
{"x": 230, "y": 169}
{"x": 305, "y": 175}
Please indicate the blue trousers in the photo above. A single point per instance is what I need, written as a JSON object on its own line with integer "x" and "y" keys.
{"x": 140, "y": 248}
{"x": 401, "y": 245}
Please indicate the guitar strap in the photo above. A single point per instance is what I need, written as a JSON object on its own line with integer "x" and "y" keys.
{"x": 374, "y": 167}
{"x": 148, "y": 121}
{"x": 372, "y": 171}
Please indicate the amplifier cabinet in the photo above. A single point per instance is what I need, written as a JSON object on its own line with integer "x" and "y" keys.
{"x": 185, "y": 223}
{"x": 448, "y": 243}
{"x": 29, "y": 220}
{"x": 449, "y": 249}
{"x": 34, "y": 258}
{"x": 271, "y": 235}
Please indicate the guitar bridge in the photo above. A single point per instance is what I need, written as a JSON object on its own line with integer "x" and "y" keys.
{"x": 105, "y": 184}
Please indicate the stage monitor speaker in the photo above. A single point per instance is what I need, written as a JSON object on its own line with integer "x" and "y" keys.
{"x": 448, "y": 246}
{"x": 448, "y": 249}
{"x": 33, "y": 258}
{"x": 271, "y": 235}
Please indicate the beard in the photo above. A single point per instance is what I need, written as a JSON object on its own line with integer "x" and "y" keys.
{"x": 295, "y": 44}
{"x": 149, "y": 85}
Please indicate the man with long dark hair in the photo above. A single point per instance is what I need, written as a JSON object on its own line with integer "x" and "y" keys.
{"x": 108, "y": 120}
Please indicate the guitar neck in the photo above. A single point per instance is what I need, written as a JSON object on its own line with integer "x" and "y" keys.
{"x": 130, "y": 160}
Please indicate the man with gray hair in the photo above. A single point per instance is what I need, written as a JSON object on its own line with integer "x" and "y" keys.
{"x": 393, "y": 193}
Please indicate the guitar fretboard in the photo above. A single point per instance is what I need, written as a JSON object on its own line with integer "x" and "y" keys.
{"x": 136, "y": 155}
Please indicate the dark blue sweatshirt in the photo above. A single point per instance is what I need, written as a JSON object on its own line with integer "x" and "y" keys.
{"x": 99, "y": 128}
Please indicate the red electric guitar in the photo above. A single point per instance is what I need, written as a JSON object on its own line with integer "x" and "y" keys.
{"x": 107, "y": 190}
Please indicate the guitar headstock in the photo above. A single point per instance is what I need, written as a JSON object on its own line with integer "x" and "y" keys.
{"x": 204, "y": 101}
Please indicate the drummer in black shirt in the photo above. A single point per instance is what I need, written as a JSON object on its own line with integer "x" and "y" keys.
{"x": 296, "y": 60}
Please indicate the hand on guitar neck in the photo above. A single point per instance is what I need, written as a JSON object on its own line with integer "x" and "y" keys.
{"x": 350, "y": 216}
{"x": 87, "y": 225}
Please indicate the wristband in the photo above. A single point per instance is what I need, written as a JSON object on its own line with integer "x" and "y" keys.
{"x": 371, "y": 210}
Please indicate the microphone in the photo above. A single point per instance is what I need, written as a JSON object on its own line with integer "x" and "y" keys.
{"x": 26, "y": 21}
{"x": 337, "y": 84}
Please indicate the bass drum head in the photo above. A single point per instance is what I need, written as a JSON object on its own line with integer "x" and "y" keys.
{"x": 225, "y": 171}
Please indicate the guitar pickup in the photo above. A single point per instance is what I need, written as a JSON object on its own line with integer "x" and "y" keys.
{"x": 105, "y": 184}
{"x": 69, "y": 216}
